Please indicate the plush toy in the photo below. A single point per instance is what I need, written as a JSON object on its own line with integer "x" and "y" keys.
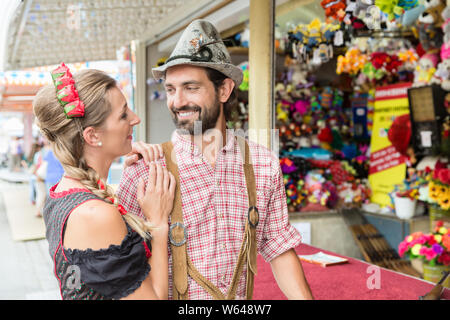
{"x": 372, "y": 73}
{"x": 433, "y": 12}
{"x": 425, "y": 69}
{"x": 387, "y": 63}
{"x": 352, "y": 62}
{"x": 314, "y": 34}
{"x": 282, "y": 112}
{"x": 411, "y": 14}
{"x": 409, "y": 58}
{"x": 442, "y": 75}
{"x": 349, "y": 11}
{"x": 245, "y": 81}
{"x": 244, "y": 37}
{"x": 361, "y": 7}
{"x": 390, "y": 8}
{"x": 301, "y": 106}
{"x": 372, "y": 18}
{"x": 298, "y": 75}
{"x": 334, "y": 9}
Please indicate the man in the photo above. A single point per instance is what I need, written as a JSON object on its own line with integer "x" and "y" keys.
{"x": 216, "y": 187}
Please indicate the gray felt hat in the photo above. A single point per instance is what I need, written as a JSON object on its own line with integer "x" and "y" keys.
{"x": 201, "y": 45}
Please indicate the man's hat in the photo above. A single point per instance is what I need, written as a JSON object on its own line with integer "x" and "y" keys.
{"x": 201, "y": 45}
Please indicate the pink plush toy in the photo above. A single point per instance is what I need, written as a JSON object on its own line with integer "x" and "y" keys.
{"x": 445, "y": 51}
{"x": 302, "y": 106}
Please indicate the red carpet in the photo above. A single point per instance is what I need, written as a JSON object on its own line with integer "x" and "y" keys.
{"x": 343, "y": 282}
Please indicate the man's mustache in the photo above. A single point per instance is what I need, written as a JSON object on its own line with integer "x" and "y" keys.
{"x": 186, "y": 109}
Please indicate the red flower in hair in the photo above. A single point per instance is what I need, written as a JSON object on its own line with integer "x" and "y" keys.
{"x": 60, "y": 71}
{"x": 74, "y": 109}
{"x": 63, "y": 81}
{"x": 66, "y": 92}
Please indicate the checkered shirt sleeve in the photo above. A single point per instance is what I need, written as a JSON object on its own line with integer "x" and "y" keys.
{"x": 278, "y": 234}
{"x": 127, "y": 189}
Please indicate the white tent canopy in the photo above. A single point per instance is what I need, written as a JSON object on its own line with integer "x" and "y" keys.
{"x": 46, "y": 32}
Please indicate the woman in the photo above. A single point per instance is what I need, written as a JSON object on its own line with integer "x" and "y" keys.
{"x": 99, "y": 250}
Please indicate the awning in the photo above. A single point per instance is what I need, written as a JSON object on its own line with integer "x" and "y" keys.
{"x": 18, "y": 88}
{"x": 46, "y": 32}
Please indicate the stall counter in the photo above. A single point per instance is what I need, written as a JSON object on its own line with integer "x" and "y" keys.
{"x": 351, "y": 281}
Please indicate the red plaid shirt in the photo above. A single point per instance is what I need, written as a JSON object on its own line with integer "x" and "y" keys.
{"x": 215, "y": 207}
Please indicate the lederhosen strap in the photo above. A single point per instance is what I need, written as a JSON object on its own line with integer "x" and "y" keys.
{"x": 182, "y": 264}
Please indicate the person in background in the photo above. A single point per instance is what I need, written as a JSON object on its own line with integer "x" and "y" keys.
{"x": 55, "y": 170}
{"x": 15, "y": 154}
{"x": 29, "y": 164}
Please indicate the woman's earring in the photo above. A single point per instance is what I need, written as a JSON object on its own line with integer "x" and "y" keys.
{"x": 99, "y": 143}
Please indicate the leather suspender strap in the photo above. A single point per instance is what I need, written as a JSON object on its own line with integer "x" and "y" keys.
{"x": 252, "y": 219}
{"x": 182, "y": 264}
{"x": 177, "y": 232}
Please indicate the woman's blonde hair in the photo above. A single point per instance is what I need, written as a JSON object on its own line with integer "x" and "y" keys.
{"x": 66, "y": 135}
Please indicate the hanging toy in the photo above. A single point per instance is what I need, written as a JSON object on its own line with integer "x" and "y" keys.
{"x": 390, "y": 7}
{"x": 282, "y": 113}
{"x": 245, "y": 80}
{"x": 433, "y": 12}
{"x": 314, "y": 34}
{"x": 334, "y": 9}
{"x": 352, "y": 62}
{"x": 372, "y": 18}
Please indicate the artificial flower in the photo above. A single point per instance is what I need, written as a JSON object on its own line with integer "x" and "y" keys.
{"x": 416, "y": 249}
{"x": 429, "y": 253}
{"x": 446, "y": 241}
{"x": 402, "y": 248}
{"x": 437, "y": 248}
{"x": 444, "y": 199}
{"x": 444, "y": 258}
{"x": 444, "y": 176}
{"x": 433, "y": 191}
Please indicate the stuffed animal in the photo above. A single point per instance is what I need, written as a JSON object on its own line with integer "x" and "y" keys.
{"x": 390, "y": 7}
{"x": 433, "y": 12}
{"x": 425, "y": 69}
{"x": 349, "y": 11}
{"x": 361, "y": 7}
{"x": 372, "y": 18}
{"x": 412, "y": 14}
{"x": 334, "y": 9}
{"x": 314, "y": 33}
{"x": 442, "y": 75}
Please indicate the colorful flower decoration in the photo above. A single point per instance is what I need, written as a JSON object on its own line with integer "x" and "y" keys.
{"x": 439, "y": 187}
{"x": 433, "y": 248}
{"x": 66, "y": 92}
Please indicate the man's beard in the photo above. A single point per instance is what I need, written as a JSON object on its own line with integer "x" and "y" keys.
{"x": 207, "y": 119}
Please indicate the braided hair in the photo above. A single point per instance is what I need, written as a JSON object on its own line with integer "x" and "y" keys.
{"x": 66, "y": 135}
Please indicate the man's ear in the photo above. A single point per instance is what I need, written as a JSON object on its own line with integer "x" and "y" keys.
{"x": 225, "y": 90}
{"x": 91, "y": 136}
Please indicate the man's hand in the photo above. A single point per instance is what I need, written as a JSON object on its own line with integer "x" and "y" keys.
{"x": 139, "y": 150}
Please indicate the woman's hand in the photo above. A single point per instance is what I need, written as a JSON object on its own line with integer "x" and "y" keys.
{"x": 156, "y": 199}
{"x": 139, "y": 150}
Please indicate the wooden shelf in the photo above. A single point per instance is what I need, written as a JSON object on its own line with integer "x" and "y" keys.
{"x": 244, "y": 51}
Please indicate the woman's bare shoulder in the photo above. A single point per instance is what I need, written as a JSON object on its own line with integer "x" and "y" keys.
{"x": 94, "y": 224}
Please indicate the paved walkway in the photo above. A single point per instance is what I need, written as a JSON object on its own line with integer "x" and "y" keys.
{"x": 25, "y": 266}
